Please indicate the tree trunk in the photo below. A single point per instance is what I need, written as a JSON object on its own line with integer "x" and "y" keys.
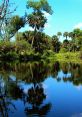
{"x": 33, "y": 37}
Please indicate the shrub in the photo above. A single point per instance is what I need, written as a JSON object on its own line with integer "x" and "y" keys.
{"x": 63, "y": 50}
{"x": 80, "y": 55}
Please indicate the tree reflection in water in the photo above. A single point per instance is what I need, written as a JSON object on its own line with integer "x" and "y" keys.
{"x": 33, "y": 75}
{"x": 35, "y": 98}
{"x": 5, "y": 100}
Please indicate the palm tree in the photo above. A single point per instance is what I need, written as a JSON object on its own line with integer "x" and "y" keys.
{"x": 37, "y": 19}
{"x": 65, "y": 34}
{"x": 59, "y": 34}
{"x": 71, "y": 35}
{"x": 55, "y": 43}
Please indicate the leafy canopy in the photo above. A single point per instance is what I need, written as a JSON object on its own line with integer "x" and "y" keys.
{"x": 41, "y": 5}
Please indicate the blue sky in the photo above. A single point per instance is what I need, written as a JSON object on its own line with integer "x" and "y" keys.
{"x": 67, "y": 15}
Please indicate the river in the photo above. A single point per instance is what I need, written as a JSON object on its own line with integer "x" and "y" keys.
{"x": 41, "y": 89}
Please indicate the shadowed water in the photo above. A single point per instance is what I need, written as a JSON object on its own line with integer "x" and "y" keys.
{"x": 40, "y": 89}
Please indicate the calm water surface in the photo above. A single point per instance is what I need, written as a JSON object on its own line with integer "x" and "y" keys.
{"x": 40, "y": 89}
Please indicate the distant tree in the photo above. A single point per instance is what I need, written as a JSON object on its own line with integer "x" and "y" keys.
{"x": 71, "y": 35}
{"x": 59, "y": 34}
{"x": 76, "y": 39}
{"x": 66, "y": 34}
{"x": 66, "y": 45}
{"x": 55, "y": 43}
{"x": 77, "y": 32}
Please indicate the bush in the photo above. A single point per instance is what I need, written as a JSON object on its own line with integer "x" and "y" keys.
{"x": 22, "y": 46}
{"x": 48, "y": 53}
{"x": 10, "y": 56}
{"x": 80, "y": 55}
{"x": 63, "y": 50}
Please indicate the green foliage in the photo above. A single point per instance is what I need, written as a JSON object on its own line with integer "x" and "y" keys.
{"x": 47, "y": 54}
{"x": 22, "y": 46}
{"x": 81, "y": 48}
{"x": 63, "y": 50}
{"x": 39, "y": 5}
{"x": 6, "y": 46}
{"x": 59, "y": 34}
{"x": 66, "y": 45}
{"x": 37, "y": 20}
{"x": 68, "y": 56}
{"x": 14, "y": 25}
{"x": 12, "y": 55}
{"x": 19, "y": 36}
{"x": 55, "y": 43}
{"x": 35, "y": 44}
{"x": 80, "y": 55}
{"x": 7, "y": 50}
{"x": 66, "y": 34}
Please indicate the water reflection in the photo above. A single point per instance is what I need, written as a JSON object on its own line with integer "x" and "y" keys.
{"x": 24, "y": 82}
{"x": 5, "y": 100}
{"x": 35, "y": 98}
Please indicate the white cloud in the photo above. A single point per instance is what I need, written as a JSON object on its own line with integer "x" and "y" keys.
{"x": 79, "y": 25}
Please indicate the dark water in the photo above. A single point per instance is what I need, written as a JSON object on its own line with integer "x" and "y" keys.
{"x": 40, "y": 89}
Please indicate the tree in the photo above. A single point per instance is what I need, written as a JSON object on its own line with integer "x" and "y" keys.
{"x": 37, "y": 19}
{"x": 9, "y": 25}
{"x": 77, "y": 32}
{"x": 5, "y": 15}
{"x": 59, "y": 34}
{"x": 66, "y": 34}
{"x": 15, "y": 23}
{"x": 55, "y": 43}
{"x": 71, "y": 35}
{"x": 19, "y": 36}
{"x": 76, "y": 37}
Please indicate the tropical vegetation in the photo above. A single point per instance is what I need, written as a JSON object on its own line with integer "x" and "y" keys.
{"x": 34, "y": 45}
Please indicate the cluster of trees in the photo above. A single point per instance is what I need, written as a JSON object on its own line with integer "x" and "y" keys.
{"x": 72, "y": 41}
{"x": 29, "y": 42}
{"x": 33, "y": 42}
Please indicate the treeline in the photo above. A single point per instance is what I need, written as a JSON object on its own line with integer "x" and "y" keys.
{"x": 43, "y": 45}
{"x": 72, "y": 41}
{"x": 30, "y": 45}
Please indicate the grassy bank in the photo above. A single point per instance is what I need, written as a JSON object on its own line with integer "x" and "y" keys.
{"x": 67, "y": 57}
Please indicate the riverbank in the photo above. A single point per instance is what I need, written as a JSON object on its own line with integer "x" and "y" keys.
{"x": 67, "y": 57}
{"x": 48, "y": 56}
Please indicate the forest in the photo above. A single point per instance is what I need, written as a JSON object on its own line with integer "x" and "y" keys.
{"x": 35, "y": 45}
